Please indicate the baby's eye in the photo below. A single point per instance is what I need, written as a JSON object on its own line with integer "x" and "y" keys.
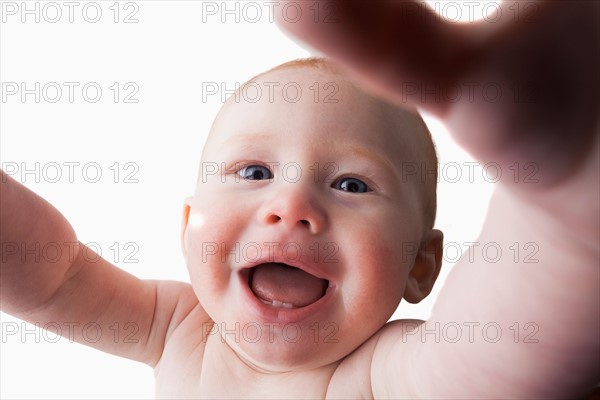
{"x": 351, "y": 185}
{"x": 255, "y": 173}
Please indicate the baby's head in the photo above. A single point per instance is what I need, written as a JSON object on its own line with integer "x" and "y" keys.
{"x": 309, "y": 223}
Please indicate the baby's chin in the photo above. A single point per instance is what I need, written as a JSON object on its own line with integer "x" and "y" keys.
{"x": 282, "y": 347}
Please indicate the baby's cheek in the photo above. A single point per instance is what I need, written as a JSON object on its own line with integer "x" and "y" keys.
{"x": 217, "y": 220}
{"x": 381, "y": 273}
{"x": 213, "y": 233}
{"x": 203, "y": 252}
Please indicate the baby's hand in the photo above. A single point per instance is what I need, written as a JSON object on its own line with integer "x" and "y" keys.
{"x": 519, "y": 89}
{"x": 520, "y": 86}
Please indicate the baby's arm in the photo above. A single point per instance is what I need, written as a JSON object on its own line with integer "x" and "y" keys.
{"x": 79, "y": 288}
{"x": 541, "y": 296}
{"x": 505, "y": 327}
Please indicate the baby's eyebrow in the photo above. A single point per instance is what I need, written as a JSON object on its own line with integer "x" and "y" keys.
{"x": 250, "y": 140}
{"x": 249, "y": 137}
{"x": 247, "y": 141}
{"x": 365, "y": 152}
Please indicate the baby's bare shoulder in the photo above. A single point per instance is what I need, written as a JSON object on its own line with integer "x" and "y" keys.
{"x": 366, "y": 370}
{"x": 180, "y": 305}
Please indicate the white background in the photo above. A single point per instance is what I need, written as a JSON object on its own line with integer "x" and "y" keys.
{"x": 168, "y": 54}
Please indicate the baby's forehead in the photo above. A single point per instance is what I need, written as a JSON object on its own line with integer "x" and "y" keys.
{"x": 320, "y": 85}
{"x": 297, "y": 85}
{"x": 328, "y": 97}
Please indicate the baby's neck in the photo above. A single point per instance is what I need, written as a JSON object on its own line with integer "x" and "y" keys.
{"x": 246, "y": 379}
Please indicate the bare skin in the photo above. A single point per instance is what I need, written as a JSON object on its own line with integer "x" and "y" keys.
{"x": 558, "y": 294}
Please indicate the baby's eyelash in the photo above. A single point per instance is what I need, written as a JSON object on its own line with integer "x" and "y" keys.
{"x": 242, "y": 168}
{"x": 236, "y": 166}
{"x": 367, "y": 179}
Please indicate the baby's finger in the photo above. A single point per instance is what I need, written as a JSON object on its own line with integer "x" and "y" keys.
{"x": 388, "y": 42}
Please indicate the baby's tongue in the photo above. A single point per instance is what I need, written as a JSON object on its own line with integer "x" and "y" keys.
{"x": 286, "y": 284}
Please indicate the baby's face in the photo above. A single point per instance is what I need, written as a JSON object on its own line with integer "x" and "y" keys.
{"x": 313, "y": 185}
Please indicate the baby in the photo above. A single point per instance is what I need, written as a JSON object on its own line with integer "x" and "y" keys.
{"x": 305, "y": 232}
{"x": 302, "y": 237}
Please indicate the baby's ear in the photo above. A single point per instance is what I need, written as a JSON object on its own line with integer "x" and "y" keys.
{"x": 187, "y": 205}
{"x": 426, "y": 268}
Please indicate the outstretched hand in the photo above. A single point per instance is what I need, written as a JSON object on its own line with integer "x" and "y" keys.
{"x": 520, "y": 86}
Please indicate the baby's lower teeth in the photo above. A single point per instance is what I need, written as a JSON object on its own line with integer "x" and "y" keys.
{"x": 279, "y": 304}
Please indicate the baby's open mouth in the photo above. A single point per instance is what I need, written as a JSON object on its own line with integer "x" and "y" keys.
{"x": 281, "y": 285}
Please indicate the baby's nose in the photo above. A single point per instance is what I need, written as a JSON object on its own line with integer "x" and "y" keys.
{"x": 295, "y": 210}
